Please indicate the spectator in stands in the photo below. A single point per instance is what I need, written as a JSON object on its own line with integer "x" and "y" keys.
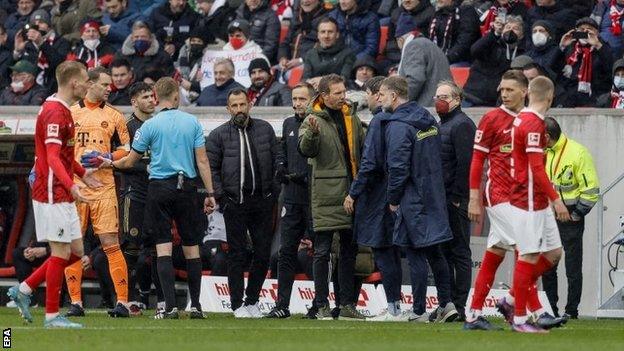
{"x": 302, "y": 35}
{"x": 265, "y": 26}
{"x": 264, "y": 89}
{"x": 329, "y": 56}
{"x": 142, "y": 49}
{"x": 152, "y": 74}
{"x": 23, "y": 89}
{"x": 580, "y": 8}
{"x": 29, "y": 253}
{"x": 239, "y": 38}
{"x": 122, "y": 76}
{"x": 545, "y": 50}
{"x": 68, "y": 14}
{"x": 561, "y": 17}
{"x": 117, "y": 22}
{"x": 532, "y": 70}
{"x": 172, "y": 23}
{"x": 609, "y": 14}
{"x": 364, "y": 69}
{"x": 588, "y": 63}
{"x": 614, "y": 98}
{"x": 91, "y": 50}
{"x": 423, "y": 64}
{"x": 6, "y": 58}
{"x": 454, "y": 29}
{"x": 283, "y": 9}
{"x": 492, "y": 56}
{"x": 18, "y": 19}
{"x": 215, "y": 16}
{"x": 421, "y": 10}
{"x": 44, "y": 48}
{"x": 358, "y": 26}
{"x": 216, "y": 94}
{"x": 144, "y": 7}
{"x": 243, "y": 154}
{"x": 189, "y": 63}
{"x": 489, "y": 10}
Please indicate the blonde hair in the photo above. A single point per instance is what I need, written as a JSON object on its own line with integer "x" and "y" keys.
{"x": 540, "y": 88}
{"x": 165, "y": 88}
{"x": 68, "y": 70}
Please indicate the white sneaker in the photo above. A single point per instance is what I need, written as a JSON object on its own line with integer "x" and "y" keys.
{"x": 242, "y": 312}
{"x": 415, "y": 318}
{"x": 11, "y": 304}
{"x": 385, "y": 316}
{"x": 254, "y": 311}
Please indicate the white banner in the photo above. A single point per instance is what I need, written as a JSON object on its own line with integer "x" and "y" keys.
{"x": 489, "y": 306}
{"x": 241, "y": 59}
{"x": 215, "y": 297}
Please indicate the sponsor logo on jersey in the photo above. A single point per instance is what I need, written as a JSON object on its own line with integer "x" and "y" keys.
{"x": 53, "y": 130}
{"x": 506, "y": 148}
{"x": 534, "y": 139}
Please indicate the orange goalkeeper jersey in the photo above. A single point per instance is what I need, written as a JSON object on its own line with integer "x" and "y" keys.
{"x": 99, "y": 128}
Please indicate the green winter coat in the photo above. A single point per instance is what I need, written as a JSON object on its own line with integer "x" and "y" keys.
{"x": 329, "y": 181}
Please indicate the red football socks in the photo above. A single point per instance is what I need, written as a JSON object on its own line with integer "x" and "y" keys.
{"x": 485, "y": 278}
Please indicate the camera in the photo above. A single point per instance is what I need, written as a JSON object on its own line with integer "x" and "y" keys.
{"x": 580, "y": 35}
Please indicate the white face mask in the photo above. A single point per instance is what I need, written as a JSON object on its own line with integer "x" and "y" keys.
{"x": 17, "y": 86}
{"x": 539, "y": 39}
{"x": 91, "y": 44}
{"x": 618, "y": 82}
{"x": 583, "y": 42}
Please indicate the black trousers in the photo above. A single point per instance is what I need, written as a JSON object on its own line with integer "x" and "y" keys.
{"x": 458, "y": 254}
{"x": 294, "y": 226}
{"x": 346, "y": 266}
{"x": 256, "y": 216}
{"x": 440, "y": 269}
{"x": 572, "y": 241}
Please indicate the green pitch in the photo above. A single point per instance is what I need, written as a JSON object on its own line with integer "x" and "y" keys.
{"x": 223, "y": 332}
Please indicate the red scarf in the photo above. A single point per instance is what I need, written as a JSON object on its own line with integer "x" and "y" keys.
{"x": 490, "y": 16}
{"x": 447, "y": 29}
{"x": 585, "y": 70}
{"x": 616, "y": 18}
{"x": 253, "y": 96}
{"x": 42, "y": 61}
{"x": 617, "y": 99}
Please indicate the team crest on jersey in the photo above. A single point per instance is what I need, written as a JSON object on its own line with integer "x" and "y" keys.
{"x": 478, "y": 136}
{"x": 53, "y": 130}
{"x": 104, "y": 124}
{"x": 534, "y": 139}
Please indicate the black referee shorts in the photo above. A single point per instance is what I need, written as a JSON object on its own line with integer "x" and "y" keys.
{"x": 132, "y": 215}
{"x": 166, "y": 203}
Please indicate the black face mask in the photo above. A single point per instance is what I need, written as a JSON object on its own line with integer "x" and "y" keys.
{"x": 510, "y": 37}
{"x": 196, "y": 51}
{"x": 240, "y": 120}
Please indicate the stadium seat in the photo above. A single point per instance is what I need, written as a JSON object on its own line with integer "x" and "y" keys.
{"x": 20, "y": 214}
{"x": 283, "y": 33}
{"x": 295, "y": 76}
{"x": 460, "y": 75}
{"x": 383, "y": 39}
{"x": 374, "y": 278}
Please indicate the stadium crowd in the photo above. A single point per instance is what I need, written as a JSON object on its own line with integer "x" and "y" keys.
{"x": 577, "y": 44}
{"x": 309, "y": 55}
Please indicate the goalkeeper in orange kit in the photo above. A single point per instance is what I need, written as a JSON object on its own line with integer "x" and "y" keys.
{"x": 99, "y": 128}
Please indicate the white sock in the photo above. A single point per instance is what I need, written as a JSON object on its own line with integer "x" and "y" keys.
{"x": 51, "y": 316}
{"x": 510, "y": 299}
{"x": 472, "y": 315}
{"x": 25, "y": 289}
{"x": 520, "y": 319}
{"x": 160, "y": 305}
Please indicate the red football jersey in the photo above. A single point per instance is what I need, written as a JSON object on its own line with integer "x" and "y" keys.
{"x": 528, "y": 136}
{"x": 54, "y": 125}
{"x": 493, "y": 137}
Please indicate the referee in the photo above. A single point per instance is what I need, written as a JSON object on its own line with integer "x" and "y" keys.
{"x": 176, "y": 143}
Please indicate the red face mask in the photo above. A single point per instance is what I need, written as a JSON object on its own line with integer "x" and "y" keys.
{"x": 442, "y": 107}
{"x": 237, "y": 43}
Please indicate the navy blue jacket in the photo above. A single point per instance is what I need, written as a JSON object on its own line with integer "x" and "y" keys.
{"x": 360, "y": 30}
{"x": 120, "y": 26}
{"x": 457, "y": 133}
{"x": 415, "y": 181}
{"x": 373, "y": 222}
{"x": 213, "y": 95}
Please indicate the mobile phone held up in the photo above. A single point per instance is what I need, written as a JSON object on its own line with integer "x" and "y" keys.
{"x": 580, "y": 35}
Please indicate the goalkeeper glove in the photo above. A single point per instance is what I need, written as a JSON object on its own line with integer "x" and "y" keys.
{"x": 92, "y": 160}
